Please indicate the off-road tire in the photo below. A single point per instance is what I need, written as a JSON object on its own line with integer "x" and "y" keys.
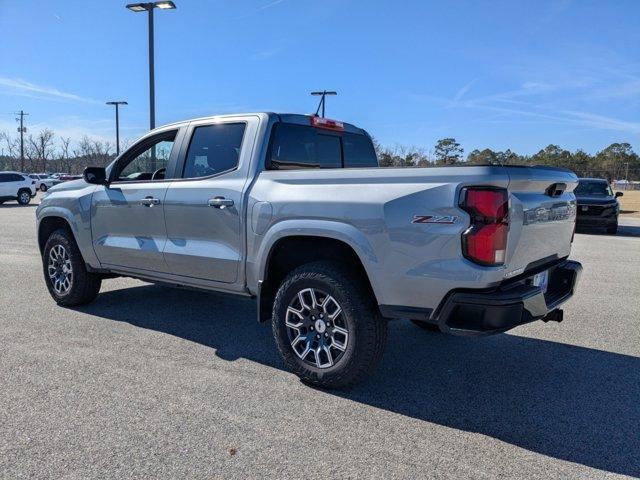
{"x": 85, "y": 285}
{"x": 367, "y": 328}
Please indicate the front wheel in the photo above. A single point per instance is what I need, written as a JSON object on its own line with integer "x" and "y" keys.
{"x": 24, "y": 197}
{"x": 67, "y": 278}
{"x": 327, "y": 327}
{"x": 43, "y": 188}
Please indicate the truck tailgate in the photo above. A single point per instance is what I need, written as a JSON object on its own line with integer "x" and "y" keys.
{"x": 541, "y": 220}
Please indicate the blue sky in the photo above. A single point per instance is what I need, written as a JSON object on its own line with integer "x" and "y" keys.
{"x": 498, "y": 74}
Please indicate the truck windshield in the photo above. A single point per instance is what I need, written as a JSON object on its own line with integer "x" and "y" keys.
{"x": 296, "y": 147}
{"x": 593, "y": 188}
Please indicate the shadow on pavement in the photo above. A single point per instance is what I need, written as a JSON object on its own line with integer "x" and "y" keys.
{"x": 623, "y": 231}
{"x": 572, "y": 403}
{"x": 17, "y": 205}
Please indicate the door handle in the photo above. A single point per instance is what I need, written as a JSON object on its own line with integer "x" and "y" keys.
{"x": 220, "y": 202}
{"x": 149, "y": 201}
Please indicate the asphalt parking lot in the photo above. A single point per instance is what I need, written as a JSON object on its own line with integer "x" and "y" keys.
{"x": 155, "y": 382}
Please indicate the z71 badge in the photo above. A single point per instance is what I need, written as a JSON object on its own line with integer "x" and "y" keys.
{"x": 446, "y": 219}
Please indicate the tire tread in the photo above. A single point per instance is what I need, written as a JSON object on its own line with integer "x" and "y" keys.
{"x": 373, "y": 331}
{"x": 86, "y": 285}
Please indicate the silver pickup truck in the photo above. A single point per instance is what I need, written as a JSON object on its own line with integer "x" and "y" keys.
{"x": 293, "y": 211}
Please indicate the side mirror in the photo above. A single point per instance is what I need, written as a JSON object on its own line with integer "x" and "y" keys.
{"x": 95, "y": 175}
{"x": 619, "y": 194}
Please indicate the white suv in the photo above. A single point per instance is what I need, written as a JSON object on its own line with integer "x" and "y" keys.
{"x": 16, "y": 186}
{"x": 43, "y": 181}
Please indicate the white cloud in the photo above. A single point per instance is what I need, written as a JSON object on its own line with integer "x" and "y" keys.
{"x": 265, "y": 54}
{"x": 269, "y": 5}
{"x": 458, "y": 96}
{"x": 22, "y": 87}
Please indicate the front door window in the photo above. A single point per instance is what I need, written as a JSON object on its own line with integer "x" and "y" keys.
{"x": 148, "y": 162}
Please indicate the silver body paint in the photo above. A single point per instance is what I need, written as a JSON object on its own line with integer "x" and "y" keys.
{"x": 182, "y": 240}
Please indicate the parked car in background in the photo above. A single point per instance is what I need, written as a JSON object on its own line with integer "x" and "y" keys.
{"x": 44, "y": 181}
{"x": 65, "y": 177}
{"x": 16, "y": 186}
{"x": 293, "y": 211}
{"x": 597, "y": 204}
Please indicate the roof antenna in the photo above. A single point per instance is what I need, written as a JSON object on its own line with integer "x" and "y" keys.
{"x": 322, "y": 94}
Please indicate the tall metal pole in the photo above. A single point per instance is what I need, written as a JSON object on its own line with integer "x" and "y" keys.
{"x": 117, "y": 131}
{"x": 117, "y": 105}
{"x": 152, "y": 83}
{"x": 626, "y": 177}
{"x": 22, "y": 114}
{"x": 21, "y": 141}
{"x": 152, "y": 89}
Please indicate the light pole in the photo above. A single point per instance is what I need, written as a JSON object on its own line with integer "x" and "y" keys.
{"x": 117, "y": 104}
{"x": 149, "y": 7}
{"x": 323, "y": 94}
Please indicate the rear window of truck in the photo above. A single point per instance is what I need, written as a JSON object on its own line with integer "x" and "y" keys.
{"x": 295, "y": 147}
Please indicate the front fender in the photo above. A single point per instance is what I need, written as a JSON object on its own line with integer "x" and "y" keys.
{"x": 77, "y": 213}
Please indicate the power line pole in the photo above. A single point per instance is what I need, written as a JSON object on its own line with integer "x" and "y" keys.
{"x": 626, "y": 177}
{"x": 22, "y": 130}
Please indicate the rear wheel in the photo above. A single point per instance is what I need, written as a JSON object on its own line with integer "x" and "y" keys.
{"x": 24, "y": 197}
{"x": 431, "y": 327}
{"x": 43, "y": 187}
{"x": 67, "y": 278}
{"x": 326, "y": 325}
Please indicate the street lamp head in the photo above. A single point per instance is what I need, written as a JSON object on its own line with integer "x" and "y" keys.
{"x": 165, "y": 5}
{"x": 324, "y": 92}
{"x": 138, "y": 7}
{"x": 147, "y": 6}
{"x": 117, "y": 103}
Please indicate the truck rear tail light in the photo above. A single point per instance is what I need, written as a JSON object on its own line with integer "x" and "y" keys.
{"x": 320, "y": 122}
{"x": 485, "y": 241}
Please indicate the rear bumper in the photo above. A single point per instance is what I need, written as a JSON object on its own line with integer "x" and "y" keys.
{"x": 470, "y": 313}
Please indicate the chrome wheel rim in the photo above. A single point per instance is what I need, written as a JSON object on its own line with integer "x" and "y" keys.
{"x": 24, "y": 197}
{"x": 60, "y": 270}
{"x": 316, "y": 328}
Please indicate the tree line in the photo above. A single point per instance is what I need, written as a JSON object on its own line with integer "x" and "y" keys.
{"x": 44, "y": 152}
{"x": 614, "y": 162}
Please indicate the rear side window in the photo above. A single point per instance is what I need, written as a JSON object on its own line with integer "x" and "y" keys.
{"x": 297, "y": 146}
{"x": 213, "y": 149}
{"x": 358, "y": 151}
